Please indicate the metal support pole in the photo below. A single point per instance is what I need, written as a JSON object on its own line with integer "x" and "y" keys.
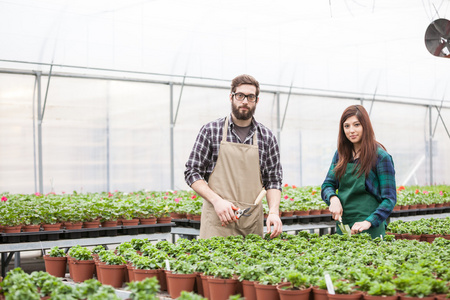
{"x": 172, "y": 167}
{"x": 278, "y": 119}
{"x": 431, "y": 146}
{"x": 39, "y": 129}
{"x": 108, "y": 160}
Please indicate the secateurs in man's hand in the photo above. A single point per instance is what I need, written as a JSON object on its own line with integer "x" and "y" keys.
{"x": 238, "y": 212}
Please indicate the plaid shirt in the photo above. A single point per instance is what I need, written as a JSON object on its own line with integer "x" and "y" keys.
{"x": 380, "y": 183}
{"x": 205, "y": 152}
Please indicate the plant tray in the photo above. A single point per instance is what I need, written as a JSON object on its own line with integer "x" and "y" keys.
{"x": 288, "y": 220}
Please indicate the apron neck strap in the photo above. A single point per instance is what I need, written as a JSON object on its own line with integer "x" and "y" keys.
{"x": 225, "y": 132}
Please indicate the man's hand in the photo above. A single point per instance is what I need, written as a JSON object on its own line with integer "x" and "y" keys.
{"x": 335, "y": 208}
{"x": 225, "y": 212}
{"x": 360, "y": 226}
{"x": 274, "y": 219}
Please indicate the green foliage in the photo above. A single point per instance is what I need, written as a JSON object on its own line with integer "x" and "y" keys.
{"x": 56, "y": 252}
{"x": 381, "y": 289}
{"x": 343, "y": 287}
{"x": 190, "y": 296}
{"x": 298, "y": 280}
{"x": 144, "y": 290}
{"x": 80, "y": 253}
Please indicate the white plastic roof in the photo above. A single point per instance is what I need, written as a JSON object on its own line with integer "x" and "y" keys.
{"x": 363, "y": 47}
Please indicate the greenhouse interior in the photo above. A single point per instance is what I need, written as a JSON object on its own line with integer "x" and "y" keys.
{"x": 102, "y": 109}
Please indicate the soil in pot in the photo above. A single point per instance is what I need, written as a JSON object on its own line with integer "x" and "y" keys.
{"x": 290, "y": 294}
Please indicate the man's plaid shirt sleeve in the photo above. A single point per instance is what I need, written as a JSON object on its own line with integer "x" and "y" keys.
{"x": 199, "y": 159}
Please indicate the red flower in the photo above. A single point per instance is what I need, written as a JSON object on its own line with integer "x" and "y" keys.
{"x": 4, "y": 199}
{"x": 165, "y": 197}
{"x": 37, "y": 194}
{"x": 292, "y": 199}
{"x": 286, "y": 185}
{"x": 441, "y": 193}
{"x": 110, "y": 194}
{"x": 286, "y": 196}
{"x": 193, "y": 196}
{"x": 294, "y": 187}
{"x": 177, "y": 200}
{"x": 401, "y": 188}
{"x": 425, "y": 192}
{"x": 417, "y": 191}
{"x": 313, "y": 192}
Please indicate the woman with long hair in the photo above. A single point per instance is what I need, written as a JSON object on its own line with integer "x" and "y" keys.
{"x": 360, "y": 184}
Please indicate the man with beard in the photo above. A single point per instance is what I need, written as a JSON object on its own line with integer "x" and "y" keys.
{"x": 233, "y": 161}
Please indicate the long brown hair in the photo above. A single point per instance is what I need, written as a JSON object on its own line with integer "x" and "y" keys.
{"x": 368, "y": 154}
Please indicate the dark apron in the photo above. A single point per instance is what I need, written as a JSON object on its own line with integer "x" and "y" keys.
{"x": 357, "y": 203}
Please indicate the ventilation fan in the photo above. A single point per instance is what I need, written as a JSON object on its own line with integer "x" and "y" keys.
{"x": 437, "y": 38}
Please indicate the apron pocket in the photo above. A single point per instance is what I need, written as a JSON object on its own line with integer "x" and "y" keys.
{"x": 253, "y": 223}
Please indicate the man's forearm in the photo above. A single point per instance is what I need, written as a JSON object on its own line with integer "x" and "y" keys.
{"x": 273, "y": 200}
{"x": 202, "y": 188}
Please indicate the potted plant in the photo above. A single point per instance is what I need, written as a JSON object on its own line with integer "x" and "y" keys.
{"x": 45, "y": 282}
{"x": 56, "y": 262}
{"x": 181, "y": 277}
{"x": 113, "y": 269}
{"x": 298, "y": 286}
{"x": 146, "y": 289}
{"x": 82, "y": 264}
{"x": 249, "y": 274}
{"x": 344, "y": 289}
{"x": 144, "y": 267}
{"x": 190, "y": 296}
{"x": 223, "y": 283}
{"x": 266, "y": 287}
{"x": 18, "y": 285}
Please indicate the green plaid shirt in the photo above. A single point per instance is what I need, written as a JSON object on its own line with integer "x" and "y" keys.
{"x": 380, "y": 183}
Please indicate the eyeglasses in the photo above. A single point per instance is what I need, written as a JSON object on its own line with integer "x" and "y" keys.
{"x": 240, "y": 97}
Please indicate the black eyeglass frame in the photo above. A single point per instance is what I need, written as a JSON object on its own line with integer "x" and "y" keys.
{"x": 245, "y": 96}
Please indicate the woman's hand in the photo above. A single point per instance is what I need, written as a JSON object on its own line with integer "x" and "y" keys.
{"x": 360, "y": 226}
{"x": 335, "y": 208}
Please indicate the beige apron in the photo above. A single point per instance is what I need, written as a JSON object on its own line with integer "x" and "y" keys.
{"x": 236, "y": 178}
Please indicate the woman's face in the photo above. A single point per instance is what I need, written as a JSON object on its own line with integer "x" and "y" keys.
{"x": 353, "y": 130}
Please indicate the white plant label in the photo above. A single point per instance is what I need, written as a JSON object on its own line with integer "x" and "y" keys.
{"x": 330, "y": 286}
{"x": 167, "y": 265}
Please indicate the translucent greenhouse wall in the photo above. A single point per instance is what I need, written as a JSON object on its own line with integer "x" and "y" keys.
{"x": 101, "y": 134}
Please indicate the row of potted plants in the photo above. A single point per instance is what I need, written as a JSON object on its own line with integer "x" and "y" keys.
{"x": 35, "y": 209}
{"x": 41, "y": 285}
{"x": 423, "y": 229}
{"x": 357, "y": 264}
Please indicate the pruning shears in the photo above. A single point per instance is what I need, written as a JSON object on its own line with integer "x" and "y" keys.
{"x": 239, "y": 212}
